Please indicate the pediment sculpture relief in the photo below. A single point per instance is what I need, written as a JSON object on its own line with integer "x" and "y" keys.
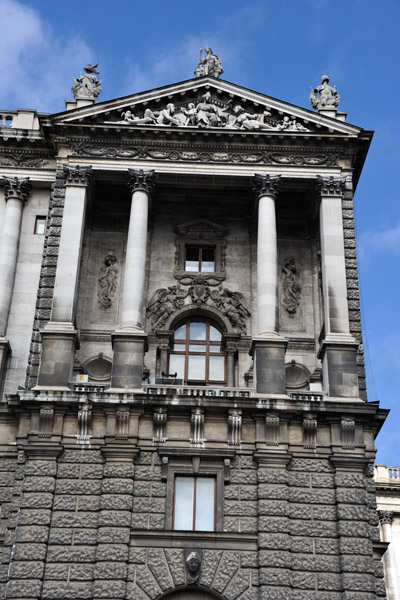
{"x": 211, "y": 113}
{"x": 166, "y": 301}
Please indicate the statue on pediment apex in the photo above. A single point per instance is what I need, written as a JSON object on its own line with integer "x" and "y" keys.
{"x": 328, "y": 95}
{"x": 210, "y": 64}
{"x": 87, "y": 85}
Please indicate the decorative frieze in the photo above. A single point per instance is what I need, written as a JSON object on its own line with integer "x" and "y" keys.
{"x": 266, "y": 185}
{"x": 77, "y": 176}
{"x": 140, "y": 180}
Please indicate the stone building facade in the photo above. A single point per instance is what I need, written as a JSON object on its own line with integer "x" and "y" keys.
{"x": 184, "y": 410}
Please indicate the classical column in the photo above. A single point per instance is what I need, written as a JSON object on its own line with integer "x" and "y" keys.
{"x": 389, "y": 559}
{"x": 59, "y": 337}
{"x": 130, "y": 341}
{"x": 16, "y": 193}
{"x": 338, "y": 349}
{"x": 268, "y": 346}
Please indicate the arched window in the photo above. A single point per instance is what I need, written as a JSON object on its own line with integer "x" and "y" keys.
{"x": 197, "y": 356}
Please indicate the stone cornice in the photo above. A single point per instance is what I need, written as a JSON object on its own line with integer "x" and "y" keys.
{"x": 16, "y": 188}
{"x": 77, "y": 176}
{"x": 140, "y": 180}
{"x": 266, "y": 185}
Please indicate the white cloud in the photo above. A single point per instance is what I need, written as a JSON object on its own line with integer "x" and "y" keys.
{"x": 380, "y": 241}
{"x": 37, "y": 66}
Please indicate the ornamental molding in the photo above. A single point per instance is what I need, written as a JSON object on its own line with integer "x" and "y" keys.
{"x": 266, "y": 185}
{"x": 222, "y": 154}
{"x": 77, "y": 176}
{"x": 26, "y": 159}
{"x": 140, "y": 180}
{"x": 16, "y": 188}
{"x": 167, "y": 301}
{"x": 385, "y": 517}
{"x": 331, "y": 186}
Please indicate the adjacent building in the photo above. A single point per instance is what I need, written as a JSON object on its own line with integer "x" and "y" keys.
{"x": 184, "y": 408}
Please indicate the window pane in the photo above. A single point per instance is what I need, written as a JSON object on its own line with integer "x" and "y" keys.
{"x": 205, "y": 504}
{"x": 183, "y": 510}
{"x": 217, "y": 368}
{"x": 197, "y": 330}
{"x": 177, "y": 365}
{"x": 40, "y": 225}
{"x": 215, "y": 335}
{"x": 192, "y": 259}
{"x": 180, "y": 333}
{"x": 215, "y": 349}
{"x": 197, "y": 367}
{"x": 197, "y": 348}
{"x": 207, "y": 260}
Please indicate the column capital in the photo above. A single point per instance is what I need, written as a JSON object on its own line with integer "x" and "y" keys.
{"x": 18, "y": 188}
{"x": 331, "y": 186}
{"x": 385, "y": 517}
{"x": 141, "y": 180}
{"x": 77, "y": 176}
{"x": 266, "y": 185}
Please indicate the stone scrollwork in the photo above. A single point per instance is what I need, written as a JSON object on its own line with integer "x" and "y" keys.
{"x": 140, "y": 179}
{"x": 291, "y": 290}
{"x": 77, "y": 175}
{"x": 87, "y": 86}
{"x": 165, "y": 301}
{"x": 107, "y": 280}
{"x": 18, "y": 188}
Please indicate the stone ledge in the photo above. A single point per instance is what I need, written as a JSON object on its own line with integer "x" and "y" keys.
{"x": 220, "y": 540}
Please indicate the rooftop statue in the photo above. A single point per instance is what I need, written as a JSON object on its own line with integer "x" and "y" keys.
{"x": 210, "y": 64}
{"x": 328, "y": 95}
{"x": 87, "y": 85}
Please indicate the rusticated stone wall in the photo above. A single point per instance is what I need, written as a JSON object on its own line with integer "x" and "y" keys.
{"x": 90, "y": 524}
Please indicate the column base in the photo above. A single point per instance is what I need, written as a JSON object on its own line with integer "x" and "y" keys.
{"x": 269, "y": 364}
{"x": 127, "y": 369}
{"x": 59, "y": 341}
{"x": 338, "y": 353}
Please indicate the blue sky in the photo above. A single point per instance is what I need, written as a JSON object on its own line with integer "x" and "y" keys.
{"x": 277, "y": 48}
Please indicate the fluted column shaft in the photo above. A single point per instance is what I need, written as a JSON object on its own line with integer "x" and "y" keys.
{"x": 16, "y": 194}
{"x": 140, "y": 184}
{"x": 389, "y": 559}
{"x": 267, "y": 268}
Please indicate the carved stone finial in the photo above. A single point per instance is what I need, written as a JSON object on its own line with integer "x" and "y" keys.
{"x": 210, "y": 64}
{"x": 328, "y": 95}
{"x": 141, "y": 180}
{"x": 193, "y": 563}
{"x": 266, "y": 185}
{"x": 18, "y": 188}
{"x": 385, "y": 516}
{"x": 331, "y": 186}
{"x": 78, "y": 176}
{"x": 87, "y": 86}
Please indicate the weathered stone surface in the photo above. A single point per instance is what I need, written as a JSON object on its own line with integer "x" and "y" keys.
{"x": 85, "y": 503}
{"x": 39, "y": 484}
{"x": 273, "y": 491}
{"x": 312, "y": 495}
{"x": 302, "y": 545}
{"x": 112, "y": 552}
{"x": 349, "y": 512}
{"x": 157, "y": 521}
{"x": 109, "y": 589}
{"x": 210, "y": 562}
{"x": 351, "y": 496}
{"x": 246, "y": 509}
{"x": 358, "y": 583}
{"x": 140, "y": 521}
{"x": 60, "y": 535}
{"x": 228, "y": 565}
{"x": 57, "y": 571}
{"x": 110, "y": 535}
{"x": 326, "y": 546}
{"x": 111, "y": 570}
{"x": 117, "y": 486}
{"x": 44, "y": 468}
{"x": 138, "y": 555}
{"x": 238, "y": 584}
{"x": 34, "y": 552}
{"x": 149, "y": 505}
{"x": 329, "y": 581}
{"x": 324, "y": 513}
{"x": 78, "y": 486}
{"x": 141, "y": 488}
{"x": 273, "y": 508}
{"x": 35, "y": 517}
{"x": 67, "y": 519}
{"x": 272, "y": 576}
{"x": 146, "y": 581}
{"x": 118, "y": 470}
{"x": 248, "y": 559}
{"x": 245, "y": 477}
{"x": 349, "y": 480}
{"x": 312, "y": 528}
{"x": 158, "y": 566}
{"x": 274, "y": 524}
{"x": 78, "y": 456}
{"x": 71, "y": 554}
{"x": 272, "y": 476}
{"x": 270, "y": 558}
{"x": 316, "y": 563}
{"x": 26, "y": 588}
{"x": 64, "y": 591}
{"x": 81, "y": 572}
{"x": 310, "y": 465}
{"x": 115, "y": 518}
{"x": 63, "y": 503}
{"x": 26, "y": 570}
{"x": 357, "y": 564}
{"x": 303, "y": 581}
{"x": 175, "y": 562}
{"x": 36, "y": 500}
{"x": 32, "y": 533}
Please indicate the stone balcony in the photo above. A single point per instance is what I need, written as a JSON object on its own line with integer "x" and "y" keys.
{"x": 386, "y": 476}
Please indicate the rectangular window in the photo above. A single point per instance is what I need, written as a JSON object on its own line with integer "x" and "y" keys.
{"x": 40, "y": 225}
{"x": 194, "y": 503}
{"x": 200, "y": 260}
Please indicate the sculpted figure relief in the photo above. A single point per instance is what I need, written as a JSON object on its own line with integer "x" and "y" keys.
{"x": 193, "y": 563}
{"x": 87, "y": 85}
{"x": 107, "y": 280}
{"x": 328, "y": 95}
{"x": 291, "y": 290}
{"x": 210, "y": 64}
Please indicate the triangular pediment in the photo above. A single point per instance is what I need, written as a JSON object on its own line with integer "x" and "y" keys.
{"x": 204, "y": 103}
